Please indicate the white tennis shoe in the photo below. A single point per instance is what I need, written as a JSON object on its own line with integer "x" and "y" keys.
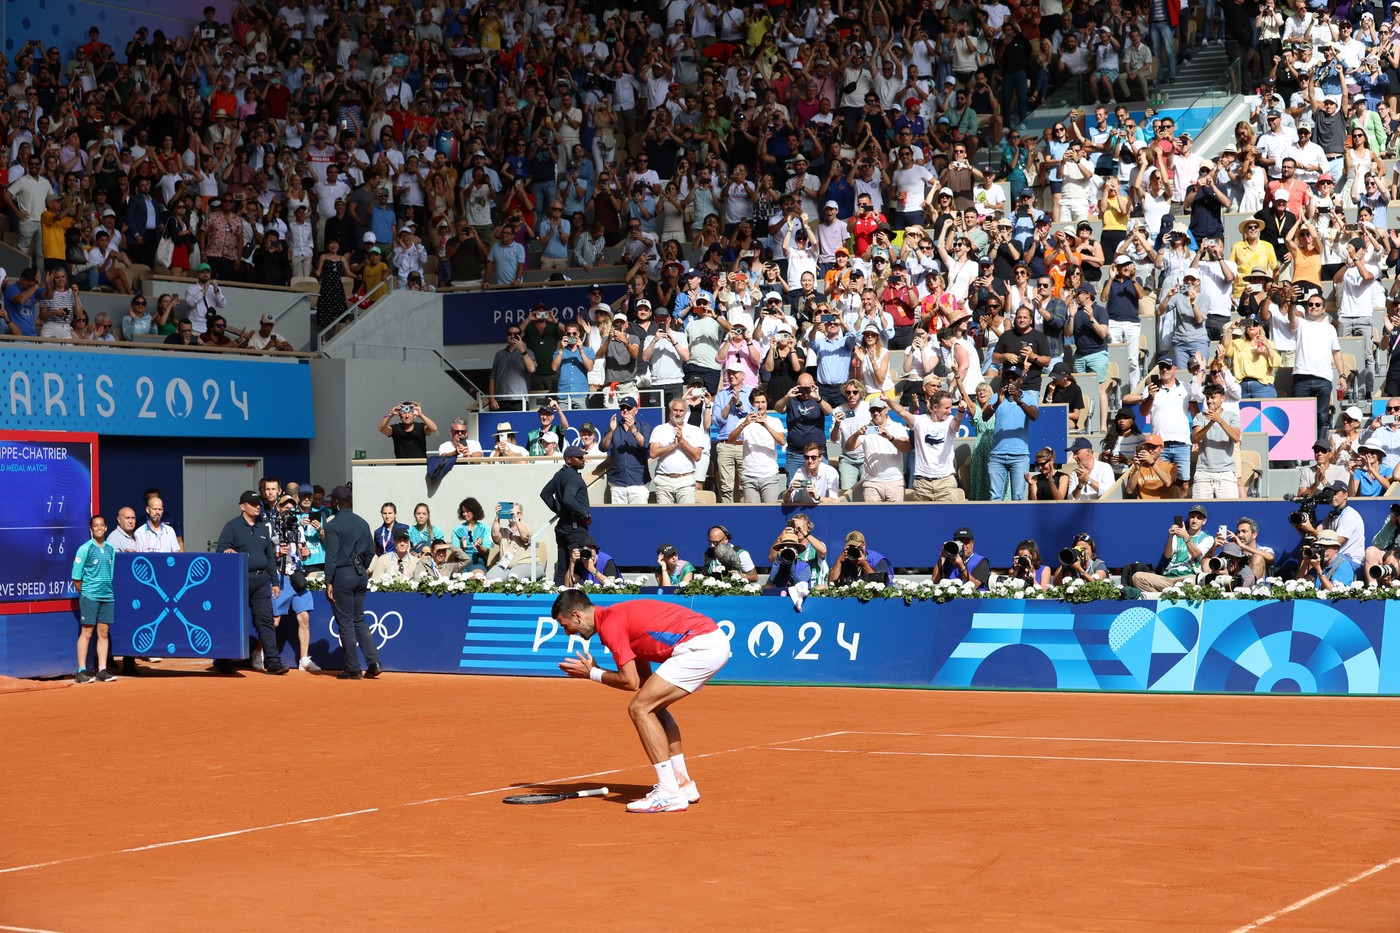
{"x": 658, "y": 801}
{"x": 691, "y": 792}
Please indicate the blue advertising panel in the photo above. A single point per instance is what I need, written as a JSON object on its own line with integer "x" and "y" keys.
{"x": 162, "y": 395}
{"x": 50, "y": 484}
{"x": 482, "y": 317}
{"x": 523, "y": 422}
{"x": 1301, "y": 646}
{"x": 180, "y": 605}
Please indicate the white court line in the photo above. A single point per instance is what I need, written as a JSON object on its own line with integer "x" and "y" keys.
{"x": 1068, "y": 738}
{"x": 1311, "y": 898}
{"x": 1138, "y": 761}
{"x": 396, "y": 806}
{"x": 24, "y": 929}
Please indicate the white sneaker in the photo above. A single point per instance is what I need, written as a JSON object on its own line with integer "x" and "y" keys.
{"x": 658, "y": 801}
{"x": 691, "y": 792}
{"x": 310, "y": 666}
{"x": 258, "y": 664}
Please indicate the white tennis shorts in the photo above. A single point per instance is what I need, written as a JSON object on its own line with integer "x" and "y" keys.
{"x": 695, "y": 660}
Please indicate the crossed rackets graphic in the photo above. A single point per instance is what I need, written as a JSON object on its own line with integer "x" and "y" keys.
{"x": 197, "y": 573}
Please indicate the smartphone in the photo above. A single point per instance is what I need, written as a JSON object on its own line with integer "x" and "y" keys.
{"x": 504, "y": 510}
{"x": 1178, "y": 520}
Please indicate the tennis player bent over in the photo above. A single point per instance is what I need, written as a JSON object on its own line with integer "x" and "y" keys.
{"x": 690, "y": 648}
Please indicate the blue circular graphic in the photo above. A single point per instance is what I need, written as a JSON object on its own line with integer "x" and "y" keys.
{"x": 170, "y": 648}
{"x": 206, "y": 605}
{"x": 170, "y": 561}
{"x": 136, "y": 604}
{"x": 1016, "y": 666}
{"x": 1297, "y": 647}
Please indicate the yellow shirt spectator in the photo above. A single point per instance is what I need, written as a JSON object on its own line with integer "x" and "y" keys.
{"x": 1252, "y": 356}
{"x": 55, "y": 231}
{"x": 375, "y": 273}
{"x": 1251, "y": 255}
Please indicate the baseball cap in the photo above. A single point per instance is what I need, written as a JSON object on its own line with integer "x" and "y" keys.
{"x": 1123, "y": 261}
{"x": 1060, "y": 369}
{"x": 1082, "y": 443}
{"x": 1334, "y": 488}
{"x": 855, "y": 537}
{"x": 963, "y": 534}
{"x": 204, "y": 267}
{"x": 878, "y": 402}
{"x": 368, "y": 237}
{"x": 1353, "y": 413}
{"x": 644, "y": 303}
{"x": 832, "y": 204}
{"x": 1197, "y": 509}
{"x": 627, "y": 403}
{"x": 249, "y": 498}
{"x": 1280, "y": 195}
{"x": 267, "y": 318}
{"x": 1321, "y": 444}
{"x": 1152, "y": 440}
{"x": 572, "y": 451}
{"x": 620, "y": 316}
{"x": 1231, "y": 549}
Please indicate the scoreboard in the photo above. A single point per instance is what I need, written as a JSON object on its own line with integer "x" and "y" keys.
{"x": 48, "y": 491}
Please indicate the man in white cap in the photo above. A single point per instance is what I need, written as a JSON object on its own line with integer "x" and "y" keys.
{"x": 265, "y": 338}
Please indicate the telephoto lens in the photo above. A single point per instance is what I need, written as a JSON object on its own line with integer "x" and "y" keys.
{"x": 1068, "y": 555}
{"x": 951, "y": 549}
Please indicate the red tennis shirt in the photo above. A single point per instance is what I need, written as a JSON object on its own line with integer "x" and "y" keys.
{"x": 647, "y": 629}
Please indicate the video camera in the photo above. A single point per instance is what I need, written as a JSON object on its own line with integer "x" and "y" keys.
{"x": 1306, "y": 507}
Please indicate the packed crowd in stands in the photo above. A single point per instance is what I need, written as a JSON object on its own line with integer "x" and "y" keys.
{"x": 401, "y": 146}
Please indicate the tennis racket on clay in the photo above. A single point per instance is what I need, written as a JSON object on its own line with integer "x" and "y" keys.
{"x": 527, "y": 799}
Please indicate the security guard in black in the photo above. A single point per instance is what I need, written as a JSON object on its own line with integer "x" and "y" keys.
{"x": 247, "y": 534}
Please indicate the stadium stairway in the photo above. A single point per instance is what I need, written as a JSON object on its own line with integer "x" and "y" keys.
{"x": 1204, "y": 72}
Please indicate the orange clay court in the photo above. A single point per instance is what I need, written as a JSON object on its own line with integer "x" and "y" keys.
{"x": 187, "y": 802}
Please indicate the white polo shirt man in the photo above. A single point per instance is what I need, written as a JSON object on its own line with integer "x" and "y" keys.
{"x": 677, "y": 446}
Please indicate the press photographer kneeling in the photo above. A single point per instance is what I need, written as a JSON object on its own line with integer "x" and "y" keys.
{"x": 1322, "y": 562}
{"x": 1229, "y": 569}
{"x": 857, "y": 562}
{"x": 1080, "y": 561}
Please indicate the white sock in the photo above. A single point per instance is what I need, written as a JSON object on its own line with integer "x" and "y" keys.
{"x": 666, "y": 777}
{"x": 678, "y": 766}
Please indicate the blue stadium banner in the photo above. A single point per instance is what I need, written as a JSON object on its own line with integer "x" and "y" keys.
{"x": 156, "y": 394}
{"x": 1301, "y": 646}
{"x": 180, "y": 605}
{"x": 482, "y": 317}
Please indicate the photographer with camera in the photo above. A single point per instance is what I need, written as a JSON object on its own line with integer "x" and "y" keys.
{"x": 1010, "y": 456}
{"x": 1229, "y": 569}
{"x": 1168, "y": 400}
{"x": 293, "y": 596}
{"x": 959, "y": 560}
{"x": 1080, "y": 561}
{"x": 1027, "y": 567}
{"x": 858, "y": 562}
{"x": 791, "y": 561}
{"x": 670, "y": 569}
{"x": 1343, "y": 520}
{"x": 410, "y": 435}
{"x": 806, "y": 413}
{"x": 1323, "y": 563}
{"x": 1187, "y": 545}
{"x": 723, "y": 558}
{"x": 590, "y": 564}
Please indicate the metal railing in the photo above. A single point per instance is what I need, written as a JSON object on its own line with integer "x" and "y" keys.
{"x": 355, "y": 308}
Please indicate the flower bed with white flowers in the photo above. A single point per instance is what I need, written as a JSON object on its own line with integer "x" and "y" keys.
{"x": 1076, "y": 591}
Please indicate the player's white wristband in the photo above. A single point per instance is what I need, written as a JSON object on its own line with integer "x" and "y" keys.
{"x": 596, "y": 675}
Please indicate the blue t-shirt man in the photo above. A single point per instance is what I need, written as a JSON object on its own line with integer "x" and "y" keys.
{"x": 21, "y": 311}
{"x": 509, "y": 261}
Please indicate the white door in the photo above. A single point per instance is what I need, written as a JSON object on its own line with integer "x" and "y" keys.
{"x": 212, "y": 488}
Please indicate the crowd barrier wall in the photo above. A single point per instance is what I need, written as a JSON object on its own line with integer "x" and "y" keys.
{"x": 1231, "y": 646}
{"x": 1304, "y": 646}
